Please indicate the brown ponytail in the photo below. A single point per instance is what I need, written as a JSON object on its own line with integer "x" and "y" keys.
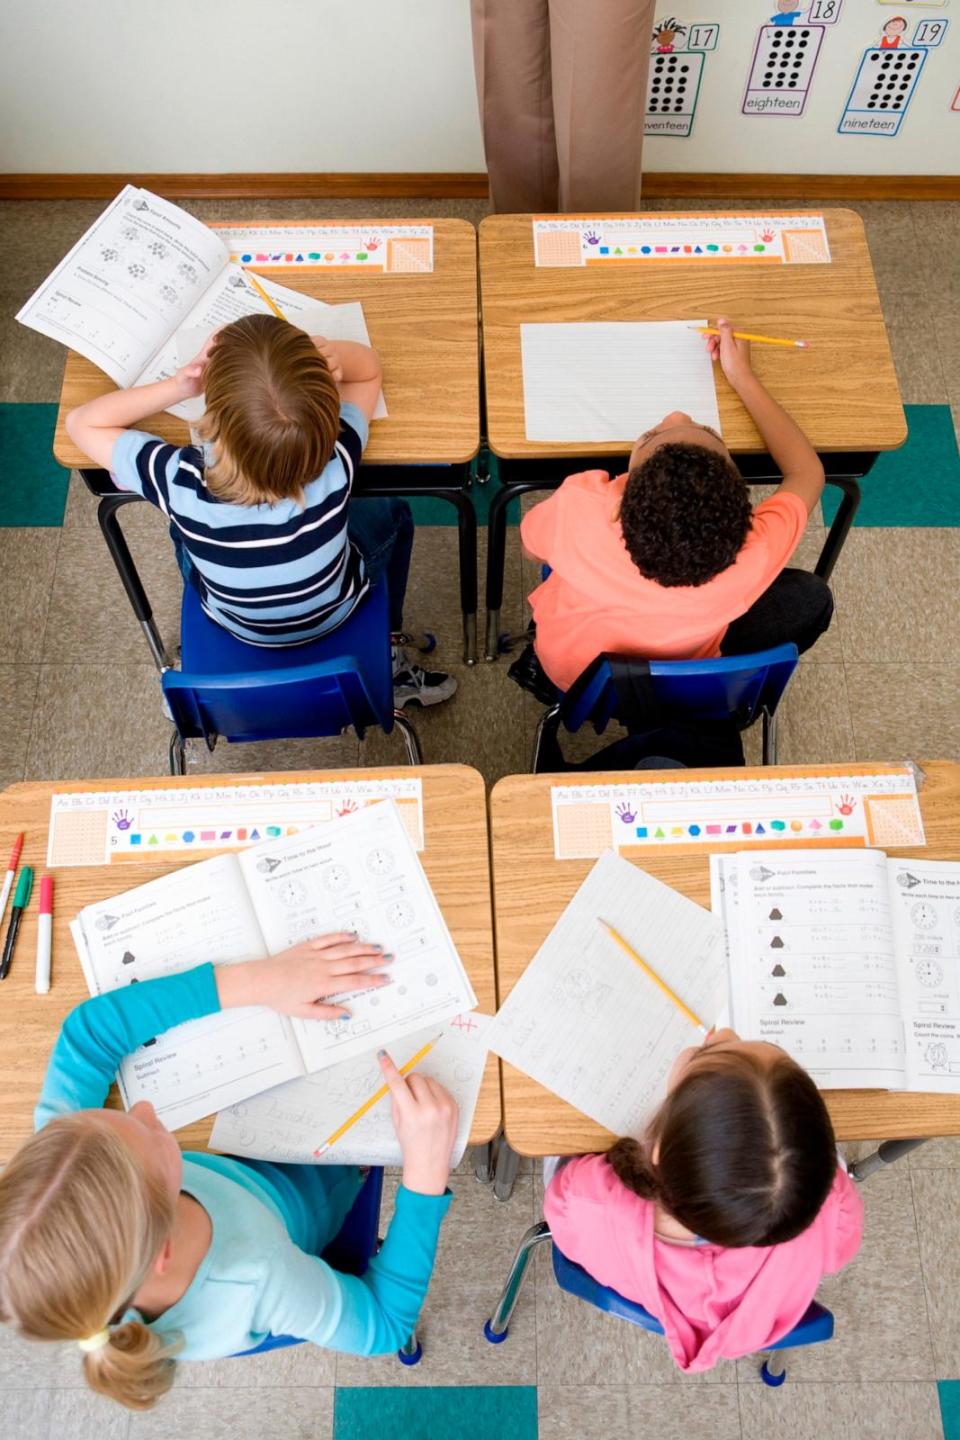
{"x": 745, "y": 1150}
{"x": 81, "y": 1223}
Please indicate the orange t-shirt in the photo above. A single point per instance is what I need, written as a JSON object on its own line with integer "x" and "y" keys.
{"x": 596, "y": 600}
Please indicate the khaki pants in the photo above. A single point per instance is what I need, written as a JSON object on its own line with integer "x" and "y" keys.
{"x": 562, "y": 86}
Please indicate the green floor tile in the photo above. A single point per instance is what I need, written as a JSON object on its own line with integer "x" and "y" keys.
{"x": 949, "y": 1392}
{"x": 442, "y": 1412}
{"x": 33, "y": 487}
{"x": 919, "y": 484}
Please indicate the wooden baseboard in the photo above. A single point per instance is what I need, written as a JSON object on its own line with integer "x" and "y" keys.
{"x": 471, "y": 186}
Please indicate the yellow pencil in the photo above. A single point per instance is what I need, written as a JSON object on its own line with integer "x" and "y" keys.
{"x": 263, "y": 294}
{"x": 760, "y": 339}
{"x": 374, "y": 1099}
{"x": 652, "y": 975}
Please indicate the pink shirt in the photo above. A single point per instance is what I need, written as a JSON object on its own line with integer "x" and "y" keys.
{"x": 596, "y": 600}
{"x": 714, "y": 1304}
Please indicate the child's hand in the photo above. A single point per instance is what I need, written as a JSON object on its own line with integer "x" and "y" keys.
{"x": 329, "y": 353}
{"x": 425, "y": 1119}
{"x": 189, "y": 378}
{"x": 297, "y": 981}
{"x": 734, "y": 355}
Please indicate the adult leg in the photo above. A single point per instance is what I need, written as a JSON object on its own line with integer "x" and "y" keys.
{"x": 382, "y": 530}
{"x": 797, "y": 608}
{"x": 600, "y": 55}
{"x": 511, "y": 53}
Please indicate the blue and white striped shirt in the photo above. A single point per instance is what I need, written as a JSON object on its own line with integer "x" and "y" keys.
{"x": 271, "y": 574}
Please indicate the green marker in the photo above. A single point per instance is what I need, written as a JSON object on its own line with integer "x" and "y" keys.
{"x": 20, "y": 901}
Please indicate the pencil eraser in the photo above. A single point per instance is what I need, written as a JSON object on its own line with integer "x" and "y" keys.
{"x": 803, "y": 344}
{"x": 46, "y": 895}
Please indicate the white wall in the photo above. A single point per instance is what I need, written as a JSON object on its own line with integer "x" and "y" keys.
{"x": 312, "y": 85}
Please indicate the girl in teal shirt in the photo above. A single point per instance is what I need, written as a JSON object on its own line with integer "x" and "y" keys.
{"x": 111, "y": 1237}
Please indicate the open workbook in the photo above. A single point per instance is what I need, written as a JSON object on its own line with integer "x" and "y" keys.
{"x": 850, "y": 961}
{"x": 148, "y": 283}
{"x": 360, "y": 873}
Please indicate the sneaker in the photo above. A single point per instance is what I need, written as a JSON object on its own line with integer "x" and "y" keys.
{"x": 413, "y": 684}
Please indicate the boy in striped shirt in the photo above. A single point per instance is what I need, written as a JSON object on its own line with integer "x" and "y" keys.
{"x": 261, "y": 514}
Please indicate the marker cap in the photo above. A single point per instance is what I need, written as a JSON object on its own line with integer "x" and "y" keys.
{"x": 46, "y": 895}
{"x": 21, "y": 895}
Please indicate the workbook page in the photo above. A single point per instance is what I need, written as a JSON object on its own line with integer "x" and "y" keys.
{"x": 813, "y": 964}
{"x": 586, "y": 1021}
{"x": 197, "y": 914}
{"x": 288, "y": 1124}
{"x": 925, "y": 903}
{"x": 592, "y": 383}
{"x": 128, "y": 284}
{"x": 361, "y": 874}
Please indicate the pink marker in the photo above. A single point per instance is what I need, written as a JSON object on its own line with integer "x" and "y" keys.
{"x": 44, "y": 934}
{"x": 11, "y": 872}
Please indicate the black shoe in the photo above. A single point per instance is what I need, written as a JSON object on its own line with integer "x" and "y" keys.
{"x": 530, "y": 675}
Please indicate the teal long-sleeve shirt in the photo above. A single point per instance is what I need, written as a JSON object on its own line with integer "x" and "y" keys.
{"x": 262, "y": 1274}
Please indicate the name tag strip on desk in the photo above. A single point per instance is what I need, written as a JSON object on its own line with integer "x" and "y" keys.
{"x": 879, "y": 809}
{"x": 105, "y": 827}
{"x": 637, "y": 239}
{"x": 377, "y": 249}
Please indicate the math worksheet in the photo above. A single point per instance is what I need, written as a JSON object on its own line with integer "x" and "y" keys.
{"x": 288, "y": 1124}
{"x": 610, "y": 381}
{"x": 360, "y": 874}
{"x": 586, "y": 1022}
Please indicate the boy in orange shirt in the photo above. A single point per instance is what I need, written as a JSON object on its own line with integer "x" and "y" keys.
{"x": 669, "y": 561}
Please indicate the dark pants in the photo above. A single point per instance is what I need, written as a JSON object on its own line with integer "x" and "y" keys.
{"x": 797, "y": 608}
{"x": 382, "y": 530}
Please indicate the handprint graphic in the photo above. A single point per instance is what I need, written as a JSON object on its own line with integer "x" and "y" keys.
{"x": 591, "y": 238}
{"x": 122, "y": 820}
{"x": 847, "y": 802}
{"x": 626, "y": 812}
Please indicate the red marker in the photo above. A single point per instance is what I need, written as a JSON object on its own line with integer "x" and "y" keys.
{"x": 44, "y": 934}
{"x": 11, "y": 872}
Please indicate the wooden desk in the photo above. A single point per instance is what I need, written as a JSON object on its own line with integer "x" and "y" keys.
{"x": 425, "y": 330}
{"x": 531, "y": 889}
{"x": 842, "y": 392}
{"x": 455, "y": 831}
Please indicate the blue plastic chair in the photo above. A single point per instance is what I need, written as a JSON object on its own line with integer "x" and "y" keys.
{"x": 350, "y": 1252}
{"x": 242, "y": 692}
{"x": 743, "y": 688}
{"x": 815, "y": 1326}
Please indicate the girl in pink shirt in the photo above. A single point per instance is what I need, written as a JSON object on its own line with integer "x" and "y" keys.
{"x": 722, "y": 1220}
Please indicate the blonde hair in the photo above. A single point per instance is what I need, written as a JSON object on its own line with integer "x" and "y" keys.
{"x": 81, "y": 1223}
{"x": 272, "y": 412}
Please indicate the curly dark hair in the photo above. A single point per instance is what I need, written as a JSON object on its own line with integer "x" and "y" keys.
{"x": 685, "y": 514}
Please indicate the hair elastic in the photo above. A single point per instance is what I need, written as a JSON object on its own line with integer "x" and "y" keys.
{"x": 95, "y": 1342}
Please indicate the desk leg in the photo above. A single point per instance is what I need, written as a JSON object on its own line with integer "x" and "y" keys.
{"x": 483, "y": 1161}
{"x": 497, "y": 550}
{"x": 108, "y": 517}
{"x": 885, "y": 1154}
{"x": 508, "y": 1163}
{"x": 840, "y": 528}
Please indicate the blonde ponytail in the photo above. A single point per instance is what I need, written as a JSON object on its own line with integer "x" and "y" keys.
{"x": 81, "y": 1223}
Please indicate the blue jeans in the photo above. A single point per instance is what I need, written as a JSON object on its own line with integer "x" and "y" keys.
{"x": 382, "y": 530}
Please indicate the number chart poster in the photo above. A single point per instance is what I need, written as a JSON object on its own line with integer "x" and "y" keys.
{"x": 785, "y": 56}
{"x": 888, "y": 74}
{"x": 676, "y": 72}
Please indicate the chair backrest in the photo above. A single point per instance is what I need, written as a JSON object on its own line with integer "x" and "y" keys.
{"x": 349, "y": 1251}
{"x": 815, "y": 1326}
{"x": 248, "y": 692}
{"x": 642, "y": 694}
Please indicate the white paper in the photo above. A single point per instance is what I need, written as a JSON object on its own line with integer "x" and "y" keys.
{"x": 586, "y": 1022}
{"x": 925, "y": 904}
{"x": 814, "y": 970}
{"x": 197, "y": 914}
{"x": 288, "y": 1124}
{"x": 362, "y": 875}
{"x": 591, "y": 383}
{"x": 127, "y": 284}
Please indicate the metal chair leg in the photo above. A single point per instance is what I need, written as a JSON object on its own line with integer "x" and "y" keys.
{"x": 885, "y": 1154}
{"x": 770, "y": 728}
{"x": 495, "y": 1329}
{"x": 773, "y": 1370}
{"x": 178, "y": 755}
{"x": 410, "y": 1353}
{"x": 410, "y": 738}
{"x": 549, "y": 717}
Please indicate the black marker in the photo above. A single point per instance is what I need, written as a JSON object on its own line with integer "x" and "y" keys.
{"x": 20, "y": 901}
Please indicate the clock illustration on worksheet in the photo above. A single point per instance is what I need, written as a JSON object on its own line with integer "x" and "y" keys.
{"x": 924, "y": 916}
{"x": 380, "y": 861}
{"x": 336, "y": 877}
{"x": 929, "y": 973}
{"x": 291, "y": 893}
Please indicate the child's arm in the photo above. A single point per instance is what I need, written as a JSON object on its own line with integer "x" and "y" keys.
{"x": 95, "y": 427}
{"x": 786, "y": 442}
{"x": 356, "y": 369}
